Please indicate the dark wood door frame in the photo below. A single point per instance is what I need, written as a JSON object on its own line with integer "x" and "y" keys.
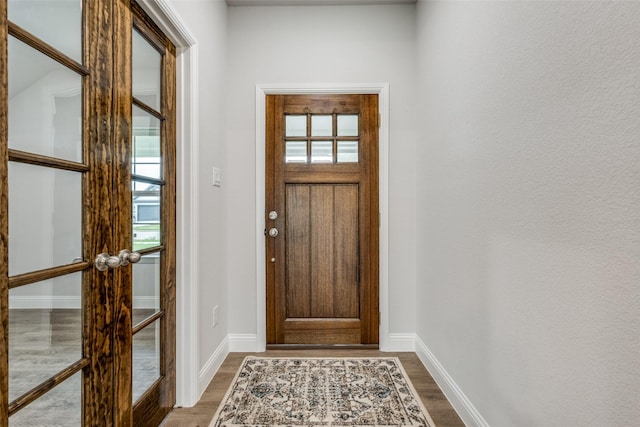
{"x": 382, "y": 90}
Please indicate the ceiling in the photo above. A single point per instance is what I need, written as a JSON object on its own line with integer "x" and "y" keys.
{"x": 313, "y": 2}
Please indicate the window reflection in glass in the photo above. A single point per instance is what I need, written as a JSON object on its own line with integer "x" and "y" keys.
{"x": 146, "y": 145}
{"x": 146, "y": 215}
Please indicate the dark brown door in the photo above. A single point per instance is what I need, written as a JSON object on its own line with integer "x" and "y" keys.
{"x": 322, "y": 219}
{"x": 87, "y": 215}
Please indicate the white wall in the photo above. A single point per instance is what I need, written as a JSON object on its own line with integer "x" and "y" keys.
{"x": 364, "y": 44}
{"x": 207, "y": 21}
{"x": 529, "y": 200}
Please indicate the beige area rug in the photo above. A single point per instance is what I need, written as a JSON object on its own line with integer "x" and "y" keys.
{"x": 321, "y": 392}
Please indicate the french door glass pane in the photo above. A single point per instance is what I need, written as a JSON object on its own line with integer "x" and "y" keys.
{"x": 60, "y": 407}
{"x": 146, "y": 215}
{"x": 146, "y": 287}
{"x": 146, "y": 145}
{"x": 45, "y": 331}
{"x": 45, "y": 217}
{"x": 45, "y": 104}
{"x": 146, "y": 359}
{"x": 147, "y": 66}
{"x": 57, "y": 22}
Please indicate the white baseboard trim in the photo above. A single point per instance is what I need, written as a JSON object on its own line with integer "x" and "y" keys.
{"x": 243, "y": 343}
{"x": 402, "y": 342}
{"x": 67, "y": 302}
{"x": 47, "y": 303}
{"x": 460, "y": 402}
{"x": 211, "y": 367}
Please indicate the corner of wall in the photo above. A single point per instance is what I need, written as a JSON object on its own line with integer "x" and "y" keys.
{"x": 211, "y": 367}
{"x": 460, "y": 402}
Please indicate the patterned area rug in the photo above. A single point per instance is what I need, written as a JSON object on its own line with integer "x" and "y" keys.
{"x": 321, "y": 392}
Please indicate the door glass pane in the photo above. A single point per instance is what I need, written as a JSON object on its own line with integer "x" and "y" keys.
{"x": 321, "y": 125}
{"x": 45, "y": 217}
{"x": 296, "y": 152}
{"x": 56, "y": 22}
{"x": 45, "y": 331}
{"x": 146, "y": 359}
{"x": 60, "y": 407}
{"x": 296, "y": 126}
{"x": 45, "y": 104}
{"x": 348, "y": 125}
{"x": 146, "y": 287}
{"x": 321, "y": 151}
{"x": 347, "y": 151}
{"x": 146, "y": 215}
{"x": 147, "y": 65}
{"x": 146, "y": 145}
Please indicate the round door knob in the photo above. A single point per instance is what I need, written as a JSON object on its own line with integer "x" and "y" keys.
{"x": 105, "y": 261}
{"x": 126, "y": 256}
{"x": 273, "y": 215}
{"x": 273, "y": 232}
{"x": 134, "y": 257}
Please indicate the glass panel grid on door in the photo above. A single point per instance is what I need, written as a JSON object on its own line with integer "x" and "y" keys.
{"x": 46, "y": 169}
{"x": 148, "y": 193}
{"x": 321, "y": 138}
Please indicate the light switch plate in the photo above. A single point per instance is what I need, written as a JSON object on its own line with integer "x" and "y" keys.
{"x": 217, "y": 177}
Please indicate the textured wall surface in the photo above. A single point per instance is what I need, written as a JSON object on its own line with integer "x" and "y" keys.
{"x": 529, "y": 207}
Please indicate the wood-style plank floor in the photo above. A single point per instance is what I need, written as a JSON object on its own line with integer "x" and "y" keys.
{"x": 200, "y": 415}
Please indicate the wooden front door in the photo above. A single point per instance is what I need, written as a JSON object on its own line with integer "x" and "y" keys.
{"x": 322, "y": 219}
{"x": 87, "y": 215}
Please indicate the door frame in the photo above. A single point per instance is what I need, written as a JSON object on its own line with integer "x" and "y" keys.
{"x": 262, "y": 90}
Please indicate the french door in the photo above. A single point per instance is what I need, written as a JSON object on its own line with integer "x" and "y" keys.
{"x": 87, "y": 225}
{"x": 322, "y": 220}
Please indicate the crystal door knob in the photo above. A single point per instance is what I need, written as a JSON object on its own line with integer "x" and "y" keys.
{"x": 273, "y": 215}
{"x": 105, "y": 261}
{"x": 273, "y": 232}
{"x": 126, "y": 256}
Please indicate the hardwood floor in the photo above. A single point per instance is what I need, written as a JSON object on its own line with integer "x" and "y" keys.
{"x": 201, "y": 414}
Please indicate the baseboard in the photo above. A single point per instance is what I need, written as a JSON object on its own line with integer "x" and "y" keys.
{"x": 211, "y": 367}
{"x": 460, "y": 402}
{"x": 46, "y": 303}
{"x": 243, "y": 343}
{"x": 402, "y": 342}
{"x": 67, "y": 302}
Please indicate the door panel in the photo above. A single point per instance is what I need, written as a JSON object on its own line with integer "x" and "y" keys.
{"x": 322, "y": 250}
{"x": 322, "y": 277}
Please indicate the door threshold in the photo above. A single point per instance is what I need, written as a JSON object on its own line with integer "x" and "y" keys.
{"x": 323, "y": 346}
